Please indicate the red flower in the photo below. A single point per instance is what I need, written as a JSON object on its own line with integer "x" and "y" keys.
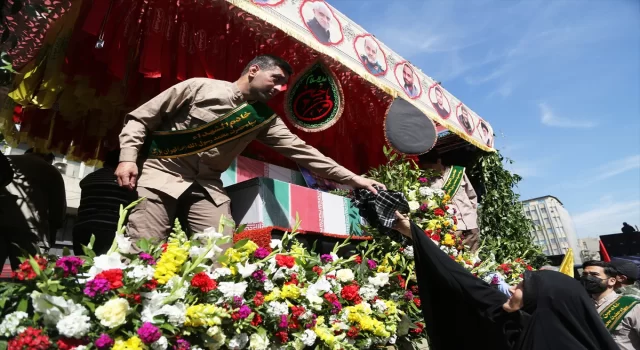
{"x": 293, "y": 280}
{"x": 30, "y": 339}
{"x": 401, "y": 281}
{"x": 438, "y": 212}
{"x": 353, "y": 332}
{"x": 416, "y": 301}
{"x": 446, "y": 207}
{"x": 135, "y": 298}
{"x": 419, "y": 328}
{"x": 436, "y": 237}
{"x": 282, "y": 336}
{"x": 69, "y": 343}
{"x": 350, "y": 293}
{"x": 358, "y": 260}
{"x": 285, "y": 260}
{"x": 258, "y": 299}
{"x": 330, "y": 277}
{"x": 529, "y": 267}
{"x": 330, "y": 297}
{"x": 26, "y": 272}
{"x": 257, "y": 320}
{"x": 317, "y": 269}
{"x": 297, "y": 311}
{"x": 414, "y": 289}
{"x": 455, "y": 220}
{"x": 203, "y": 282}
{"x": 452, "y": 257}
{"x": 151, "y": 285}
{"x": 114, "y": 276}
{"x": 164, "y": 247}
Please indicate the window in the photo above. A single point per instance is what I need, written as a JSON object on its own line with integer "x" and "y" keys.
{"x": 547, "y": 222}
{"x": 543, "y": 210}
{"x": 550, "y": 230}
{"x": 536, "y": 222}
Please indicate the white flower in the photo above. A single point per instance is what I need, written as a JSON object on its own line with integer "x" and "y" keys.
{"x": 393, "y": 339}
{"x": 113, "y": 313}
{"x": 239, "y": 341}
{"x": 379, "y": 305}
{"x": 106, "y": 262}
{"x": 414, "y": 205}
{"x": 176, "y": 313}
{"x": 141, "y": 273}
{"x": 53, "y": 308}
{"x": 217, "y": 335}
{"x": 277, "y": 309}
{"x": 308, "y": 337}
{"x": 80, "y": 347}
{"x": 258, "y": 342}
{"x": 10, "y": 326}
{"x": 345, "y": 275}
{"x": 380, "y": 279}
{"x": 280, "y": 274}
{"x": 368, "y": 292}
{"x": 275, "y": 244}
{"x": 125, "y": 244}
{"x": 426, "y": 191}
{"x": 195, "y": 252}
{"x": 160, "y": 344}
{"x": 408, "y": 252}
{"x": 76, "y": 325}
{"x": 181, "y": 291}
{"x": 208, "y": 233}
{"x": 220, "y": 272}
{"x": 230, "y": 289}
{"x": 438, "y": 192}
{"x": 268, "y": 285}
{"x": 247, "y": 270}
{"x": 367, "y": 343}
{"x": 411, "y": 195}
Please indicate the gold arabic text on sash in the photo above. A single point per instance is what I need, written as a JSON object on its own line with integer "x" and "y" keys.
{"x": 613, "y": 314}
{"x": 236, "y": 123}
{"x": 453, "y": 181}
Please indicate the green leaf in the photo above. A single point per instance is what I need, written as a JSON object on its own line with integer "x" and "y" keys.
{"x": 65, "y": 251}
{"x": 4, "y": 345}
{"x": 23, "y": 305}
{"x": 241, "y": 243}
{"x": 35, "y": 266}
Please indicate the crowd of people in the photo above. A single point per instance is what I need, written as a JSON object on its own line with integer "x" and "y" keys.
{"x": 548, "y": 310}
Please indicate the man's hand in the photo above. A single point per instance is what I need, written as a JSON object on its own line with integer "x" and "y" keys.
{"x": 127, "y": 173}
{"x": 362, "y": 182}
{"x": 402, "y": 225}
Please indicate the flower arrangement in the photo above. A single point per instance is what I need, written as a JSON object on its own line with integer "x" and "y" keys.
{"x": 190, "y": 294}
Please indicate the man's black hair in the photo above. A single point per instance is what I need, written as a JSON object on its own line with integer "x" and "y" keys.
{"x": 484, "y": 126}
{"x": 609, "y": 270}
{"x": 267, "y": 62}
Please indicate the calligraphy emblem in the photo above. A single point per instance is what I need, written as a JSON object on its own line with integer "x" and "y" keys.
{"x": 315, "y": 100}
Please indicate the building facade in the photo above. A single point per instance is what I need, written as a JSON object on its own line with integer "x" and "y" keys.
{"x": 553, "y": 228}
{"x": 589, "y": 248}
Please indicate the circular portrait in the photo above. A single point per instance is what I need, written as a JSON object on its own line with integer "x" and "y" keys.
{"x": 465, "y": 119}
{"x": 485, "y": 133}
{"x": 321, "y": 22}
{"x": 267, "y": 2}
{"x": 439, "y": 101}
{"x": 370, "y": 54}
{"x": 408, "y": 79}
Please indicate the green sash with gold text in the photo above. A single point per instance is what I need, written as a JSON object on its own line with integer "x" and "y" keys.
{"x": 613, "y": 314}
{"x": 236, "y": 123}
{"x": 453, "y": 180}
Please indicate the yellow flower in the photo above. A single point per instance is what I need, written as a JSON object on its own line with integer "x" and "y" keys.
{"x": 392, "y": 308}
{"x": 455, "y": 227}
{"x": 234, "y": 256}
{"x": 275, "y": 294}
{"x": 385, "y": 268}
{"x": 204, "y": 315}
{"x": 133, "y": 343}
{"x": 446, "y": 223}
{"x": 459, "y": 258}
{"x": 446, "y": 198}
{"x": 290, "y": 291}
{"x": 448, "y": 240}
{"x": 250, "y": 247}
{"x": 367, "y": 323}
{"x": 325, "y": 335}
{"x": 171, "y": 260}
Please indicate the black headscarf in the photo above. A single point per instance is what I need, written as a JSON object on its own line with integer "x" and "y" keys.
{"x": 463, "y": 312}
{"x": 563, "y": 315}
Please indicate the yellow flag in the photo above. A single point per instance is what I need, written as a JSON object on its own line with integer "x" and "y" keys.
{"x": 567, "y": 263}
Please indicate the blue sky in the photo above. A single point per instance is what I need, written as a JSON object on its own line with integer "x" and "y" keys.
{"x": 558, "y": 80}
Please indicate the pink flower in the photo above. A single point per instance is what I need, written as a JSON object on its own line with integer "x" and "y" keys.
{"x": 423, "y": 179}
{"x": 149, "y": 333}
{"x": 69, "y": 264}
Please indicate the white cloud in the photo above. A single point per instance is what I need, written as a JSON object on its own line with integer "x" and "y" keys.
{"x": 618, "y": 167}
{"x": 547, "y": 117}
{"x": 607, "y": 218}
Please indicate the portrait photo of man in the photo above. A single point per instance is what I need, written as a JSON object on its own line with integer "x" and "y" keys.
{"x": 321, "y": 22}
{"x": 485, "y": 134}
{"x": 465, "y": 119}
{"x": 439, "y": 101}
{"x": 407, "y": 78}
{"x": 369, "y": 51}
{"x": 267, "y": 2}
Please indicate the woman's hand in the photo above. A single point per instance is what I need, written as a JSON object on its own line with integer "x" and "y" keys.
{"x": 402, "y": 225}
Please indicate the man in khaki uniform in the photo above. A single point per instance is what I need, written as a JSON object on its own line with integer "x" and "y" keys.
{"x": 190, "y": 182}
{"x": 464, "y": 200}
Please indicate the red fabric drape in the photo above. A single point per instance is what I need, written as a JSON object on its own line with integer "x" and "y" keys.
{"x": 603, "y": 253}
{"x": 152, "y": 44}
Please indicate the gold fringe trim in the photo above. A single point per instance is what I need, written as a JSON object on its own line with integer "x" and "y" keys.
{"x": 266, "y": 16}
